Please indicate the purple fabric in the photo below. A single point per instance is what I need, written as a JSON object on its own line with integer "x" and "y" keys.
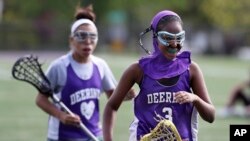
{"x": 155, "y": 22}
{"x": 155, "y": 97}
{"x": 85, "y": 104}
{"x": 157, "y": 66}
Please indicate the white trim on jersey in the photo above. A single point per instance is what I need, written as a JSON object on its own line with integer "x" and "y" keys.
{"x": 194, "y": 124}
{"x": 133, "y": 130}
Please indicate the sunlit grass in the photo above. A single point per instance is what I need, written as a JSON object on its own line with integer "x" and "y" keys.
{"x": 22, "y": 120}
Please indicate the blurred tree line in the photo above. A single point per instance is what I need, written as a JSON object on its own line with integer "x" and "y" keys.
{"x": 45, "y": 24}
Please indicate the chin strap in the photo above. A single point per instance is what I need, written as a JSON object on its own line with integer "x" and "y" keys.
{"x": 140, "y": 39}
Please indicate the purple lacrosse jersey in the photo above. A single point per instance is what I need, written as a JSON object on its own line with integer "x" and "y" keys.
{"x": 81, "y": 97}
{"x": 155, "y": 99}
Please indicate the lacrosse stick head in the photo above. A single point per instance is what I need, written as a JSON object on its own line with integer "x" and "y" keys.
{"x": 28, "y": 69}
{"x": 164, "y": 131}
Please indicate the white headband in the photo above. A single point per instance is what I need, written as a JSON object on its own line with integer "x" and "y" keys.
{"x": 77, "y": 23}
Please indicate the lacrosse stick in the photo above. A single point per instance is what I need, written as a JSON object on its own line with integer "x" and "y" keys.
{"x": 29, "y": 70}
{"x": 164, "y": 131}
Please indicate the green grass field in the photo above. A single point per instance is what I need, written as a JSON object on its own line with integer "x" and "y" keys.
{"x": 21, "y": 120}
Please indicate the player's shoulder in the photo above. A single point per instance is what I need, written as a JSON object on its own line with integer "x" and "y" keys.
{"x": 62, "y": 61}
{"x": 194, "y": 65}
{"x": 195, "y": 69}
{"x": 135, "y": 69}
{"x": 98, "y": 60}
{"x": 135, "y": 66}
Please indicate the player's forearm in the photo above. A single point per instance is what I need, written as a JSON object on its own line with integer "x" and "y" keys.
{"x": 130, "y": 95}
{"x": 108, "y": 122}
{"x": 206, "y": 110}
{"x": 43, "y": 102}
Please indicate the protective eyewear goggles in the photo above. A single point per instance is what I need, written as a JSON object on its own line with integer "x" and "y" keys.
{"x": 166, "y": 38}
{"x": 81, "y": 36}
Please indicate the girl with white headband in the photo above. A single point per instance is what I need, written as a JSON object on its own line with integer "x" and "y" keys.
{"x": 78, "y": 78}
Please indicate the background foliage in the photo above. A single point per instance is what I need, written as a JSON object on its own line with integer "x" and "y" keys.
{"x": 43, "y": 24}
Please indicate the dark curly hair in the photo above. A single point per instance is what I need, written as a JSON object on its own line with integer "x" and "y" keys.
{"x": 85, "y": 13}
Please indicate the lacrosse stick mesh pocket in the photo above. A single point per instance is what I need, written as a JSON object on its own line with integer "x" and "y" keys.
{"x": 164, "y": 131}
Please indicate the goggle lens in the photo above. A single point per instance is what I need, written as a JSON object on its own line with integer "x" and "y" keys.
{"x": 82, "y": 36}
{"x": 165, "y": 37}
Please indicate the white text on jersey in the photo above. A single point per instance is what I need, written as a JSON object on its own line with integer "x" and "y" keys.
{"x": 161, "y": 97}
{"x": 84, "y": 94}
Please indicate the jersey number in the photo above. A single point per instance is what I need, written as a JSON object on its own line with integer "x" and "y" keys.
{"x": 168, "y": 113}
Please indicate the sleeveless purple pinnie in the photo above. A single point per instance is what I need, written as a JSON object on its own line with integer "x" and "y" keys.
{"x": 155, "y": 99}
{"x": 81, "y": 96}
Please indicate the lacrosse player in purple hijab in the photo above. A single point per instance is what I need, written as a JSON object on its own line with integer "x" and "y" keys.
{"x": 171, "y": 85}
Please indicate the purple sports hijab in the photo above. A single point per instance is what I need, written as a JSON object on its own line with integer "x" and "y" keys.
{"x": 157, "y": 66}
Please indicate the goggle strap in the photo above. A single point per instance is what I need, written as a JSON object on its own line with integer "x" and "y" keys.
{"x": 140, "y": 39}
{"x": 146, "y": 31}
